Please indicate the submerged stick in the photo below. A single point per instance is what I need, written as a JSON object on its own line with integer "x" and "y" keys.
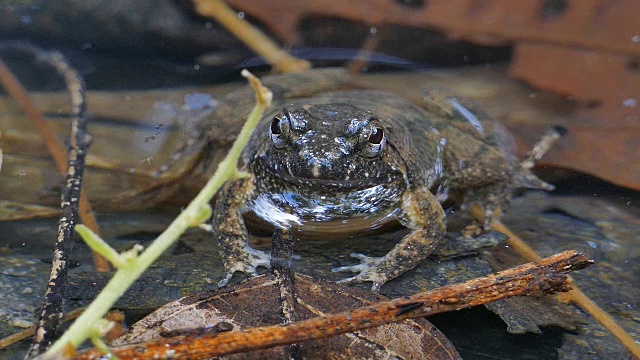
{"x": 30, "y": 331}
{"x": 250, "y": 36}
{"x": 281, "y": 267}
{"x": 575, "y": 295}
{"x": 50, "y": 316}
{"x": 546, "y": 276}
{"x": 56, "y": 150}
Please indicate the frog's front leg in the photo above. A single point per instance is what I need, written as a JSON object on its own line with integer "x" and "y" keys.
{"x": 230, "y": 233}
{"x": 422, "y": 213}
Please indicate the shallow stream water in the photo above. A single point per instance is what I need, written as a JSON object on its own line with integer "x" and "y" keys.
{"x": 134, "y": 124}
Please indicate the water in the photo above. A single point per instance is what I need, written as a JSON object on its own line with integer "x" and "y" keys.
{"x": 147, "y": 94}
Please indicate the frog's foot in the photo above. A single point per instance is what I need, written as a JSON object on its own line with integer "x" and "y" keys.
{"x": 475, "y": 229}
{"x": 368, "y": 269}
{"x": 492, "y": 199}
{"x": 546, "y": 141}
{"x": 247, "y": 263}
{"x": 490, "y": 210}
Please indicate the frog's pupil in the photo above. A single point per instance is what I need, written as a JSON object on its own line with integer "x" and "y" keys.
{"x": 376, "y": 137}
{"x": 275, "y": 126}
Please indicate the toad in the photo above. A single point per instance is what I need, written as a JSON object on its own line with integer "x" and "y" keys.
{"x": 324, "y": 156}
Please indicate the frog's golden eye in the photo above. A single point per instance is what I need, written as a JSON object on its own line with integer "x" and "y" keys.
{"x": 375, "y": 143}
{"x": 279, "y": 128}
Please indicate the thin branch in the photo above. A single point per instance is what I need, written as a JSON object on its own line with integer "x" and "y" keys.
{"x": 575, "y": 296}
{"x": 80, "y": 140}
{"x": 30, "y": 331}
{"x": 250, "y": 36}
{"x": 281, "y": 255}
{"x": 532, "y": 279}
{"x": 13, "y": 86}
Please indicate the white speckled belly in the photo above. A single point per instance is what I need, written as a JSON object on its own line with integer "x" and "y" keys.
{"x": 292, "y": 209}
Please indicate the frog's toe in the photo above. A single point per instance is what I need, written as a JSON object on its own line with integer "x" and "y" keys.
{"x": 367, "y": 271}
{"x": 472, "y": 230}
{"x": 225, "y": 280}
{"x": 366, "y": 262}
{"x": 258, "y": 258}
{"x": 376, "y": 278}
{"x": 247, "y": 264}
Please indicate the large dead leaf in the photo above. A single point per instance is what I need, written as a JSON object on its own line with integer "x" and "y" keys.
{"x": 254, "y": 303}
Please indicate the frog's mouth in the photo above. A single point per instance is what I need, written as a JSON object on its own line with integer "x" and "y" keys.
{"x": 327, "y": 183}
{"x": 331, "y": 182}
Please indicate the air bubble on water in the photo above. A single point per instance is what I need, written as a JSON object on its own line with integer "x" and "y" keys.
{"x": 196, "y": 67}
{"x": 196, "y": 101}
{"x": 630, "y": 103}
{"x": 127, "y": 98}
{"x": 373, "y": 30}
{"x": 635, "y": 39}
{"x": 241, "y": 15}
{"x": 533, "y": 95}
{"x": 149, "y": 138}
{"x": 87, "y": 46}
{"x": 208, "y": 24}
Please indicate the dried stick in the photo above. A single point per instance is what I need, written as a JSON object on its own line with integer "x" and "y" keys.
{"x": 363, "y": 57}
{"x": 56, "y": 150}
{"x": 281, "y": 253}
{"x": 250, "y": 36}
{"x": 30, "y": 331}
{"x": 575, "y": 295}
{"x": 80, "y": 140}
{"x": 546, "y": 276}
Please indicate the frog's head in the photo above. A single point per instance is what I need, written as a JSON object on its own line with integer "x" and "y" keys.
{"x": 327, "y": 145}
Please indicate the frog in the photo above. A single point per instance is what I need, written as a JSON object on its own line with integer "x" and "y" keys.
{"x": 328, "y": 154}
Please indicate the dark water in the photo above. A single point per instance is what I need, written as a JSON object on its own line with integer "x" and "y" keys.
{"x": 584, "y": 213}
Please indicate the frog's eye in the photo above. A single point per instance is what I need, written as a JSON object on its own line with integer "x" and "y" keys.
{"x": 279, "y": 129}
{"x": 376, "y": 136}
{"x": 375, "y": 143}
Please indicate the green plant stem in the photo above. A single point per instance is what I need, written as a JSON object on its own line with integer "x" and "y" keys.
{"x": 123, "y": 278}
{"x": 99, "y": 246}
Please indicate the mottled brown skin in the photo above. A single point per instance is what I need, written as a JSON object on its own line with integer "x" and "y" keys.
{"x": 359, "y": 154}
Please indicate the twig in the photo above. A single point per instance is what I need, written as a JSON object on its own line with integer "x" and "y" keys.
{"x": 575, "y": 295}
{"x": 532, "y": 279}
{"x": 56, "y": 150}
{"x": 281, "y": 253}
{"x": 251, "y": 36}
{"x": 80, "y": 140}
{"x": 193, "y": 214}
{"x": 30, "y": 331}
{"x": 363, "y": 57}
